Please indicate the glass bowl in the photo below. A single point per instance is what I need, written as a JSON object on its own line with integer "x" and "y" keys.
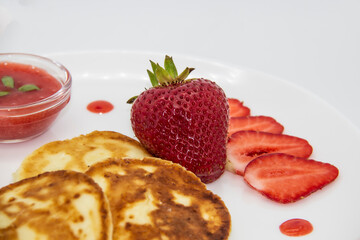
{"x": 22, "y": 119}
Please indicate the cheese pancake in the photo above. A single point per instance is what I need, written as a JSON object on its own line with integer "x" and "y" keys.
{"x": 154, "y": 199}
{"x": 79, "y": 153}
{"x": 55, "y": 205}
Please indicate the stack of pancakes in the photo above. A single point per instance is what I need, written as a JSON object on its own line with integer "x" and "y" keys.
{"x": 105, "y": 185}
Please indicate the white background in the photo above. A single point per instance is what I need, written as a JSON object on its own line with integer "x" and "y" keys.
{"x": 312, "y": 43}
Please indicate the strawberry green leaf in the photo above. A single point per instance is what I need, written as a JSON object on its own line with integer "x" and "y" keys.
{"x": 3, "y": 93}
{"x": 28, "y": 87}
{"x": 185, "y": 74}
{"x": 170, "y": 67}
{"x": 131, "y": 100}
{"x": 153, "y": 66}
{"x": 162, "y": 75}
{"x": 8, "y": 81}
{"x": 153, "y": 79}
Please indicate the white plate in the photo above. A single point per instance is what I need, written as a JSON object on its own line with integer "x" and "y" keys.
{"x": 117, "y": 76}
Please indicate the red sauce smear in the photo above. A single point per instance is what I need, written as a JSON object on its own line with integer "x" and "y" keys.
{"x": 100, "y": 106}
{"x": 296, "y": 227}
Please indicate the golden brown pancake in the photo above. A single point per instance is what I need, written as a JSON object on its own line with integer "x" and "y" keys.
{"x": 159, "y": 200}
{"x": 55, "y": 205}
{"x": 79, "y": 153}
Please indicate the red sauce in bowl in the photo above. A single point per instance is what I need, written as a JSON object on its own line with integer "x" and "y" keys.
{"x": 26, "y": 114}
{"x": 26, "y": 74}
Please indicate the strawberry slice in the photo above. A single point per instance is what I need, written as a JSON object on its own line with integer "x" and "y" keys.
{"x": 255, "y": 123}
{"x": 244, "y": 146}
{"x": 237, "y": 108}
{"x": 285, "y": 178}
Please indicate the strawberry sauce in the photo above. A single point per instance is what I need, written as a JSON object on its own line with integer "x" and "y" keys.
{"x": 26, "y": 74}
{"x": 296, "y": 227}
{"x": 19, "y": 120}
{"x": 100, "y": 106}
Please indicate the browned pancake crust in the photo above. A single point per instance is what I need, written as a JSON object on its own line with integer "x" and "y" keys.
{"x": 128, "y": 182}
{"x": 54, "y": 221}
{"x": 115, "y": 144}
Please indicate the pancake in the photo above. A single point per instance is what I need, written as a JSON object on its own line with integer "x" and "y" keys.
{"x": 55, "y": 205}
{"x": 159, "y": 200}
{"x": 79, "y": 153}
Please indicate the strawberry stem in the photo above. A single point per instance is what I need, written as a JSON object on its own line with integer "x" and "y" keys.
{"x": 167, "y": 75}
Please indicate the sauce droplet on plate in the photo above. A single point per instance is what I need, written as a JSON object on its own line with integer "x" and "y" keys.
{"x": 296, "y": 227}
{"x": 100, "y": 106}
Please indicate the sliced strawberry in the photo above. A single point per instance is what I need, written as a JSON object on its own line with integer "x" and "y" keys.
{"x": 255, "y": 123}
{"x": 285, "y": 178}
{"x": 237, "y": 108}
{"x": 244, "y": 146}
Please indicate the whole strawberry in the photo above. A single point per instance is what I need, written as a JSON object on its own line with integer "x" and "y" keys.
{"x": 185, "y": 121}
